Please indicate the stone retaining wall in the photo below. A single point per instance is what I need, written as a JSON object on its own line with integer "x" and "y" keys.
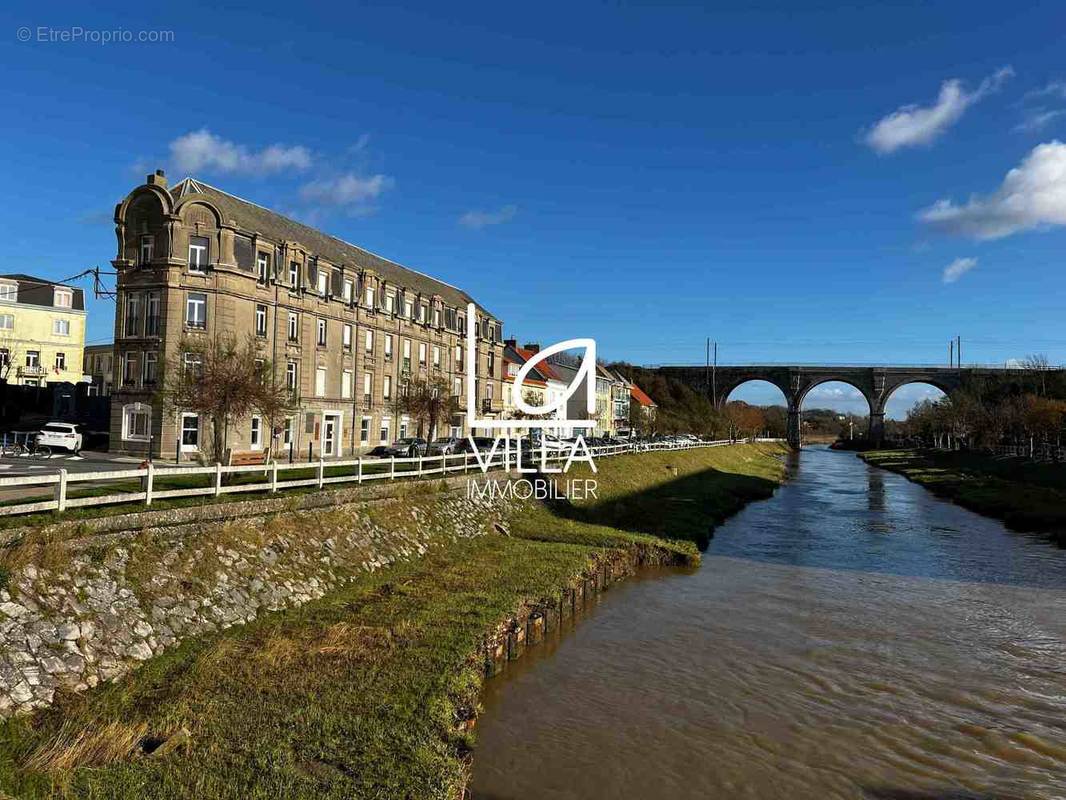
{"x": 85, "y": 610}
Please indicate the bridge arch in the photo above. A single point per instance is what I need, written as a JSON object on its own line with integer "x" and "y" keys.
{"x": 896, "y": 402}
{"x": 752, "y": 387}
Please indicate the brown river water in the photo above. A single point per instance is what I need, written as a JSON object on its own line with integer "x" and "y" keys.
{"x": 853, "y": 637}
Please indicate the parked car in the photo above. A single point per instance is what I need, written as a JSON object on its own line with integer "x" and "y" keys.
{"x": 377, "y": 452}
{"x": 60, "y": 436}
{"x": 444, "y": 446}
{"x": 484, "y": 445}
{"x": 407, "y": 448}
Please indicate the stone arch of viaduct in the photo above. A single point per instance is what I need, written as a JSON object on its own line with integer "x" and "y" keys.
{"x": 875, "y": 383}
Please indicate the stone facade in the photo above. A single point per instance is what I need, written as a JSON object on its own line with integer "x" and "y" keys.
{"x": 117, "y": 600}
{"x": 344, "y": 328}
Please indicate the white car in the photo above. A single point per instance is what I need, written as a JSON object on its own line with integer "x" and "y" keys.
{"x": 60, "y": 436}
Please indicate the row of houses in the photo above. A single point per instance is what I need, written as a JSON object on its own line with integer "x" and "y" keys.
{"x": 345, "y": 331}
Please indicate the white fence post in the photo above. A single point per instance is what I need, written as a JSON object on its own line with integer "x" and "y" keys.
{"x": 273, "y": 477}
{"x": 359, "y": 471}
{"x": 321, "y": 470}
{"x": 392, "y": 468}
{"x": 149, "y": 482}
{"x": 61, "y": 491}
{"x": 218, "y": 478}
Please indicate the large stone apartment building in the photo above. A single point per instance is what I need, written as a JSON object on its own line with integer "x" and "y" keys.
{"x": 344, "y": 329}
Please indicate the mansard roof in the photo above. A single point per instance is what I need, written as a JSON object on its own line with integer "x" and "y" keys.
{"x": 252, "y": 218}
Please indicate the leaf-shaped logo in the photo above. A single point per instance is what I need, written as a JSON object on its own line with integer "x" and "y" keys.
{"x": 586, "y": 372}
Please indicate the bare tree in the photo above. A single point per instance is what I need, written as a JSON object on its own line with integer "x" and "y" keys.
{"x": 429, "y": 403}
{"x": 223, "y": 380}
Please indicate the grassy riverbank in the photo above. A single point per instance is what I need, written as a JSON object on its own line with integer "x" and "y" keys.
{"x": 1027, "y": 496}
{"x": 359, "y": 694}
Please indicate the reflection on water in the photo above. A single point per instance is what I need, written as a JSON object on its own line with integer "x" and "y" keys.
{"x": 853, "y": 637}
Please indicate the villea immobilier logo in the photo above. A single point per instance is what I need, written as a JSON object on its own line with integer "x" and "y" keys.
{"x": 557, "y": 448}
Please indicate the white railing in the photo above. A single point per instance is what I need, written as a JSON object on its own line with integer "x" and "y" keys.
{"x": 322, "y": 473}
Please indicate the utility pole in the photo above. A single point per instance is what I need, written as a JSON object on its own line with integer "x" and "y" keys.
{"x": 951, "y": 354}
{"x": 958, "y": 350}
{"x": 714, "y": 377}
{"x": 707, "y": 367}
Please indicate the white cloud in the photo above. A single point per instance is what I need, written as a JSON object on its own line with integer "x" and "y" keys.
{"x": 349, "y": 189}
{"x": 1032, "y": 195}
{"x": 913, "y": 125}
{"x": 1038, "y": 118}
{"x": 482, "y": 219}
{"x": 1055, "y": 88}
{"x": 957, "y": 268}
{"x": 204, "y": 151}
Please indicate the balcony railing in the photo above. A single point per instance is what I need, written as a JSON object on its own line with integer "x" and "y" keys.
{"x": 33, "y": 369}
{"x": 490, "y": 405}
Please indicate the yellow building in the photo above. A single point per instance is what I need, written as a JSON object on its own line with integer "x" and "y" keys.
{"x": 42, "y": 331}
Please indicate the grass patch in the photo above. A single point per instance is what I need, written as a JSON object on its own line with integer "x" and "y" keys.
{"x": 1025, "y": 495}
{"x": 359, "y": 694}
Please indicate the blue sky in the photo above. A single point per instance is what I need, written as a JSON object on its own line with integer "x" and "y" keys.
{"x": 648, "y": 175}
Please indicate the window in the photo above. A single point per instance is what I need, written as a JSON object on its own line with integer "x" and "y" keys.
{"x": 33, "y": 358}
{"x": 349, "y": 288}
{"x": 323, "y": 282}
{"x": 368, "y": 386}
{"x": 457, "y": 387}
{"x": 421, "y": 354}
{"x": 388, "y": 347}
{"x": 133, "y": 315}
{"x": 458, "y": 356}
{"x": 63, "y": 298}
{"x": 255, "y": 436}
{"x": 368, "y": 297}
{"x": 262, "y": 266}
{"x": 491, "y": 362}
{"x": 148, "y": 369}
{"x": 364, "y": 431}
{"x": 423, "y": 312}
{"x": 320, "y": 382}
{"x": 390, "y": 302}
{"x": 290, "y": 376}
{"x": 129, "y": 369}
{"x": 5, "y": 358}
{"x": 136, "y": 422}
{"x": 403, "y": 428}
{"x": 321, "y": 327}
{"x": 409, "y": 308}
{"x": 9, "y": 292}
{"x": 151, "y": 318}
{"x": 294, "y": 327}
{"x": 147, "y": 246}
{"x": 199, "y": 250}
{"x": 436, "y": 317}
{"x": 7, "y": 322}
{"x": 383, "y": 434}
{"x": 286, "y": 432}
{"x": 294, "y": 275}
{"x": 436, "y": 356}
{"x": 346, "y": 384}
{"x": 190, "y": 432}
{"x": 386, "y": 387}
{"x": 61, "y": 327}
{"x": 260, "y": 320}
{"x": 61, "y": 361}
{"x": 192, "y": 363}
{"x": 368, "y": 341}
{"x": 196, "y": 310}
{"x": 347, "y": 336}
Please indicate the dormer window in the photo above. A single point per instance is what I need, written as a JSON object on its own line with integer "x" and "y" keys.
{"x": 348, "y": 289}
{"x": 262, "y": 263}
{"x": 368, "y": 297}
{"x": 9, "y": 292}
{"x": 323, "y": 282}
{"x": 294, "y": 275}
{"x": 199, "y": 250}
{"x": 147, "y": 249}
{"x": 63, "y": 298}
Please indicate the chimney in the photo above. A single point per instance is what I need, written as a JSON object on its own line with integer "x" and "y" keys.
{"x": 532, "y": 347}
{"x": 158, "y": 179}
{"x": 512, "y": 343}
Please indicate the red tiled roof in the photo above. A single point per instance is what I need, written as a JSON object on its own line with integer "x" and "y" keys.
{"x": 544, "y": 368}
{"x": 638, "y": 394}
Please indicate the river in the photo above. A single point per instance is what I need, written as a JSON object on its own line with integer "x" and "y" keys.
{"x": 853, "y": 637}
